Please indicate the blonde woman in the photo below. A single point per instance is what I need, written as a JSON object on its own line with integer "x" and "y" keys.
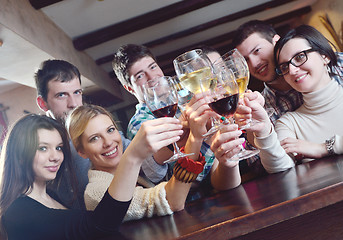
{"x": 95, "y": 136}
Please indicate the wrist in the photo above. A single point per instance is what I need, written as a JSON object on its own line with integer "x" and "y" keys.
{"x": 265, "y": 131}
{"x": 186, "y": 169}
{"x": 329, "y": 144}
{"x": 195, "y": 139}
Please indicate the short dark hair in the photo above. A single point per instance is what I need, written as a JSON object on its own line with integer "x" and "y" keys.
{"x": 254, "y": 26}
{"x": 125, "y": 57}
{"x": 54, "y": 70}
{"x": 316, "y": 40}
{"x": 207, "y": 49}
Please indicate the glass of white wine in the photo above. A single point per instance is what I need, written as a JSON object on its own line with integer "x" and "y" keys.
{"x": 184, "y": 95}
{"x": 235, "y": 61}
{"x": 195, "y": 71}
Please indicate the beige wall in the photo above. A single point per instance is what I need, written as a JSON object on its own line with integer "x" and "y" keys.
{"x": 34, "y": 26}
{"x": 334, "y": 9}
{"x": 18, "y": 100}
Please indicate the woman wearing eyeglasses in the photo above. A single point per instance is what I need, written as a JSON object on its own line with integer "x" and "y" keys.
{"x": 305, "y": 58}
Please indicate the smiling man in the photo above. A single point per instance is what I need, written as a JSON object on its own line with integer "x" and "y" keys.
{"x": 134, "y": 65}
{"x": 255, "y": 40}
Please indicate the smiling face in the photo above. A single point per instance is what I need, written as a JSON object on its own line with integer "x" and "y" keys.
{"x": 311, "y": 75}
{"x": 49, "y": 155}
{"x": 142, "y": 71}
{"x": 258, "y": 53}
{"x": 102, "y": 144}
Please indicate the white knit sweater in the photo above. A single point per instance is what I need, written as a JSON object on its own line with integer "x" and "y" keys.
{"x": 318, "y": 119}
{"x": 146, "y": 202}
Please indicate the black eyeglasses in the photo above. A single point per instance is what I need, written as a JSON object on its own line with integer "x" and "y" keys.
{"x": 297, "y": 60}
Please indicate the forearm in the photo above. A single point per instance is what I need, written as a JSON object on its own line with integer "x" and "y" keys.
{"x": 162, "y": 155}
{"x": 193, "y": 145}
{"x": 224, "y": 177}
{"x": 124, "y": 181}
{"x": 273, "y": 157}
{"x": 176, "y": 193}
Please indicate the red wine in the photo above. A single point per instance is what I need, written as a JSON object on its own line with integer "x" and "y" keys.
{"x": 226, "y": 106}
{"x": 168, "y": 111}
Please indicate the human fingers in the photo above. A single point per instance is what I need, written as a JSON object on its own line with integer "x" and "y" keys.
{"x": 153, "y": 131}
{"x": 227, "y": 133}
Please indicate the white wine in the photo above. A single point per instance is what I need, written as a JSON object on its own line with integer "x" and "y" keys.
{"x": 242, "y": 84}
{"x": 199, "y": 80}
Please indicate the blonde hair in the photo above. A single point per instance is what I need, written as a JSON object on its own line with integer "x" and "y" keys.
{"x": 78, "y": 119}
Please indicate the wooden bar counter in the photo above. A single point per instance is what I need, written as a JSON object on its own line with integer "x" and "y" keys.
{"x": 304, "y": 202}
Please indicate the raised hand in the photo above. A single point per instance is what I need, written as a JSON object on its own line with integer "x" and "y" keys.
{"x": 253, "y": 109}
{"x": 155, "y": 134}
{"x": 226, "y": 144}
{"x": 198, "y": 115}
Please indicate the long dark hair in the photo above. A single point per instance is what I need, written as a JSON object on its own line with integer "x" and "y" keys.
{"x": 316, "y": 40}
{"x": 18, "y": 153}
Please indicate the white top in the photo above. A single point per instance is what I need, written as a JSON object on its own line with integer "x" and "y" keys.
{"x": 317, "y": 120}
{"x": 146, "y": 202}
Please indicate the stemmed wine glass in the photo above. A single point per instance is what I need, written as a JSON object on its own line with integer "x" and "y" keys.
{"x": 161, "y": 98}
{"x": 223, "y": 99}
{"x": 195, "y": 71}
{"x": 235, "y": 61}
{"x": 183, "y": 94}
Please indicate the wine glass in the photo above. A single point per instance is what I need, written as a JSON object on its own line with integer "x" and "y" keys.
{"x": 195, "y": 71}
{"x": 183, "y": 94}
{"x": 235, "y": 61}
{"x": 223, "y": 99}
{"x": 161, "y": 98}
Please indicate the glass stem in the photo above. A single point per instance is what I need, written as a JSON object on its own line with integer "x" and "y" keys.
{"x": 176, "y": 148}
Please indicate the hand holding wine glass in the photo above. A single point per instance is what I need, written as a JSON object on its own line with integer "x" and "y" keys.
{"x": 235, "y": 61}
{"x": 223, "y": 99}
{"x": 196, "y": 73}
{"x": 161, "y": 98}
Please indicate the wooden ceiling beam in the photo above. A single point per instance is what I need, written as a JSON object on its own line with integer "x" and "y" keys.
{"x": 228, "y": 36}
{"x": 165, "y": 60}
{"x": 38, "y": 4}
{"x": 139, "y": 22}
{"x": 219, "y": 21}
{"x": 205, "y": 26}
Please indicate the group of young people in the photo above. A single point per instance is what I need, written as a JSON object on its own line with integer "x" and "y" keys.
{"x": 73, "y": 175}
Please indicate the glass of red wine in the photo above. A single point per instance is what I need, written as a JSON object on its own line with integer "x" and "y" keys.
{"x": 223, "y": 99}
{"x": 162, "y": 100}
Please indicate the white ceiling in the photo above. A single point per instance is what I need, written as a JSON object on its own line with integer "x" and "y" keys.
{"x": 19, "y": 58}
{"x": 77, "y": 17}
